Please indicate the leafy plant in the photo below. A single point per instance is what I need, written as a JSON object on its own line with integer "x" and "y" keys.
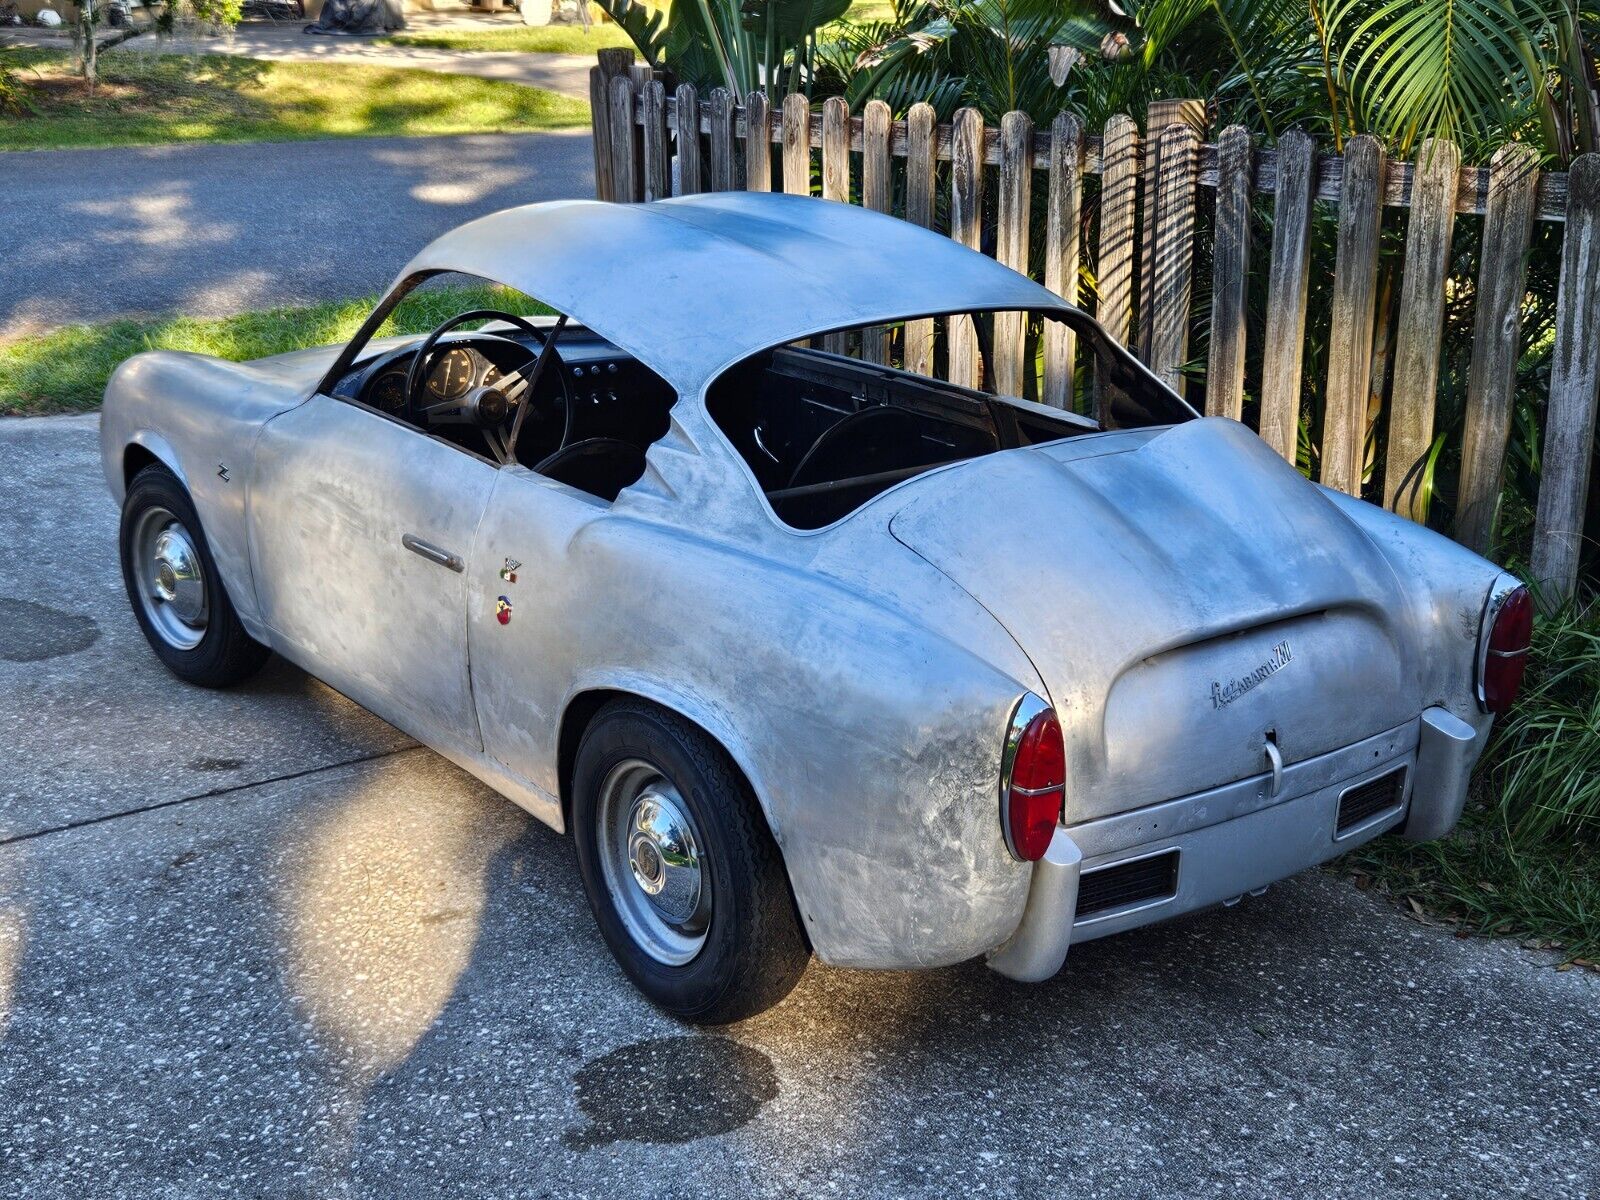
{"x": 1469, "y": 70}
{"x": 742, "y": 46}
{"x": 1546, "y": 753}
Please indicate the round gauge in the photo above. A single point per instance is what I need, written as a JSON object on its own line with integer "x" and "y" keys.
{"x": 492, "y": 376}
{"x": 451, "y": 375}
{"x": 389, "y": 391}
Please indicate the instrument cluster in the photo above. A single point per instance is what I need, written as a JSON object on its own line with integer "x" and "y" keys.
{"x": 456, "y": 371}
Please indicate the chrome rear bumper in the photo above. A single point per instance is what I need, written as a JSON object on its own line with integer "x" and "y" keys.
{"x": 1240, "y": 837}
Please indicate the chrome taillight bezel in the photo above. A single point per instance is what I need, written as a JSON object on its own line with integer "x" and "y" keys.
{"x": 1027, "y": 710}
{"x": 1505, "y": 587}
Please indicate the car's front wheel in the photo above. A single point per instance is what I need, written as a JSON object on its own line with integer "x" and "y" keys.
{"x": 685, "y": 880}
{"x": 174, "y": 587}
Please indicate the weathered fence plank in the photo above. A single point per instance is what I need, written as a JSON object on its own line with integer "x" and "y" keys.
{"x": 686, "y": 108}
{"x": 836, "y": 150}
{"x": 966, "y": 227}
{"x": 1011, "y": 247}
{"x": 653, "y": 127}
{"x": 757, "y": 143}
{"x": 1172, "y": 257}
{"x": 1288, "y": 280}
{"x": 610, "y": 64}
{"x": 600, "y": 114}
{"x": 1063, "y": 210}
{"x": 1574, "y": 389}
{"x": 1421, "y": 325}
{"x": 724, "y": 167}
{"x": 1119, "y": 207}
{"x": 1355, "y": 294}
{"x": 625, "y": 183}
{"x": 1496, "y": 340}
{"x": 877, "y": 193}
{"x": 796, "y": 144}
{"x": 1159, "y": 116}
{"x": 922, "y": 157}
{"x": 836, "y": 177}
{"x": 1230, "y": 275}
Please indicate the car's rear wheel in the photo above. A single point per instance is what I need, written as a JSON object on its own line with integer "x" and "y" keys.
{"x": 684, "y": 878}
{"x": 173, "y": 585}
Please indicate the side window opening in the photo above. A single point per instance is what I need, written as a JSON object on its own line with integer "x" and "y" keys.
{"x": 585, "y": 418}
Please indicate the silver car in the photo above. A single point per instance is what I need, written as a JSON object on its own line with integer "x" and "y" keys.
{"x": 811, "y": 655}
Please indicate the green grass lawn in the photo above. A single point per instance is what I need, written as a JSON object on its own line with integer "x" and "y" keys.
{"x": 534, "y": 39}
{"x": 66, "y": 370}
{"x": 150, "y": 99}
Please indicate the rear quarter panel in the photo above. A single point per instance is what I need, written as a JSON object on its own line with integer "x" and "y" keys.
{"x": 871, "y": 737}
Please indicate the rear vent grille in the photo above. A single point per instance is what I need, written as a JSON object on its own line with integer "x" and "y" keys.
{"x": 1367, "y": 800}
{"x": 1128, "y": 883}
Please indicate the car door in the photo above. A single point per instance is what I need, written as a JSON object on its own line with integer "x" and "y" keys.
{"x": 360, "y": 528}
{"x": 534, "y": 612}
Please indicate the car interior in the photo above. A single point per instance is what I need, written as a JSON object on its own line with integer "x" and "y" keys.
{"x": 824, "y": 433}
{"x": 821, "y": 432}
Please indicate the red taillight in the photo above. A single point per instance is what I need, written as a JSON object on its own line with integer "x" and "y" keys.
{"x": 1506, "y": 654}
{"x": 1035, "y": 781}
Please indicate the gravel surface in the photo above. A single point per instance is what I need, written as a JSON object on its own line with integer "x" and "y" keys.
{"x": 256, "y": 943}
{"x": 212, "y": 230}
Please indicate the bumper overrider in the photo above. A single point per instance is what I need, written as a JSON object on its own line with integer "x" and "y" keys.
{"x": 1119, "y": 872}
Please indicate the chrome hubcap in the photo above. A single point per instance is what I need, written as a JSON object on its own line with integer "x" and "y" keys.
{"x": 650, "y": 855}
{"x": 170, "y": 581}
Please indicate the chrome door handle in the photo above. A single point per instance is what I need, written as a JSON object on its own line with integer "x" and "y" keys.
{"x": 432, "y": 553}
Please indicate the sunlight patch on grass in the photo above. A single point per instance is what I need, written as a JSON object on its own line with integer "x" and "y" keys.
{"x": 532, "y": 39}
{"x": 66, "y": 370}
{"x": 152, "y": 99}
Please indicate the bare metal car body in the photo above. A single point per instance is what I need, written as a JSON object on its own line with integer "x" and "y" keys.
{"x": 1229, "y": 648}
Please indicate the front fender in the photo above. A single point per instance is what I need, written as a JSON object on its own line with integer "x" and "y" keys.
{"x": 198, "y": 416}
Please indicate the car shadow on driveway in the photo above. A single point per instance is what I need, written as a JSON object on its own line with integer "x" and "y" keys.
{"x": 381, "y": 979}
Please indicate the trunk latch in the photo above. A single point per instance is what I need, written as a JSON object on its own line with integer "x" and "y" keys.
{"x": 1275, "y": 761}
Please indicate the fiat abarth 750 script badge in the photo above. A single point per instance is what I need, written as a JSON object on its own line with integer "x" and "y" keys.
{"x": 1224, "y": 694}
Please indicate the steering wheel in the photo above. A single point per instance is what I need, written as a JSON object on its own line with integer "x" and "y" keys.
{"x": 490, "y": 407}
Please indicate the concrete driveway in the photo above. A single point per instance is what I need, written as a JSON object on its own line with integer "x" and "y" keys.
{"x": 255, "y": 943}
{"x": 215, "y": 230}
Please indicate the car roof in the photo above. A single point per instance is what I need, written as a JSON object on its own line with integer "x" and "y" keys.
{"x": 691, "y": 285}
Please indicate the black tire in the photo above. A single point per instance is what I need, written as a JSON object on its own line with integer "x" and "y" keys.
{"x": 754, "y": 950}
{"x": 224, "y": 654}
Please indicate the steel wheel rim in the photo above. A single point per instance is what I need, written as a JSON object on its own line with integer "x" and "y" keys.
{"x": 652, "y": 857}
{"x": 169, "y": 578}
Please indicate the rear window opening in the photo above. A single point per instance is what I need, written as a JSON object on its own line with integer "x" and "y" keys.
{"x": 824, "y": 432}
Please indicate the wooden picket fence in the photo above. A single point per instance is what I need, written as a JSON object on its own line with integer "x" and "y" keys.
{"x": 1145, "y": 253}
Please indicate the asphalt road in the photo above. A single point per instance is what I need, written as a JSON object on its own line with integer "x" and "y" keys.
{"x": 287, "y": 42}
{"x": 213, "y": 230}
{"x": 255, "y": 943}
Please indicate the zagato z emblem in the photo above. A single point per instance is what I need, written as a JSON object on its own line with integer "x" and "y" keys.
{"x": 1224, "y": 694}
{"x": 502, "y": 611}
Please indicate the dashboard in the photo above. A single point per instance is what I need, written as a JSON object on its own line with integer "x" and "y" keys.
{"x": 613, "y": 394}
